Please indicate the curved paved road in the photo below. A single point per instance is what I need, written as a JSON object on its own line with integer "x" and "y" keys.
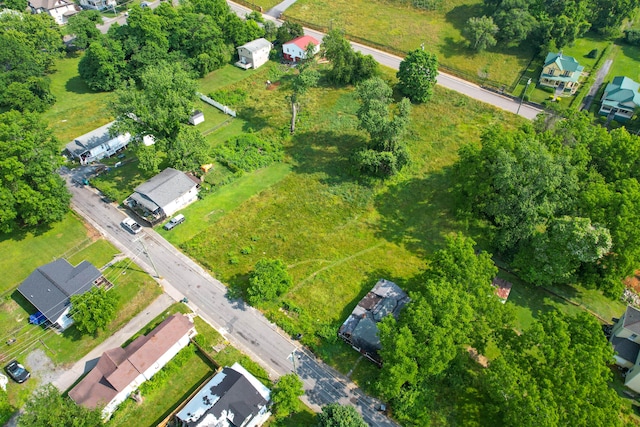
{"x": 245, "y": 327}
{"x": 445, "y": 80}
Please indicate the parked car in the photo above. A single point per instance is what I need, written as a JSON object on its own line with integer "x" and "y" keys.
{"x": 178, "y": 219}
{"x": 17, "y": 372}
{"x": 131, "y": 225}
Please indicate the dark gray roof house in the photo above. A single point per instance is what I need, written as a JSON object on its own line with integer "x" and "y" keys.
{"x": 50, "y": 286}
{"x": 233, "y": 397}
{"x": 360, "y": 330}
{"x": 163, "y": 195}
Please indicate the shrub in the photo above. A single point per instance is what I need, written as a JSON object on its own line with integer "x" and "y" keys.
{"x": 248, "y": 152}
{"x": 268, "y": 281}
{"x": 593, "y": 54}
{"x": 233, "y": 97}
{"x": 632, "y": 37}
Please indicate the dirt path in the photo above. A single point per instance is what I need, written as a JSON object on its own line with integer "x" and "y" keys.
{"x": 602, "y": 73}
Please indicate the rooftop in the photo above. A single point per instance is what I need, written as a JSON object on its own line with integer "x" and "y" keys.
{"x": 256, "y": 45}
{"x": 163, "y": 189}
{"x": 303, "y": 41}
{"x": 622, "y": 91}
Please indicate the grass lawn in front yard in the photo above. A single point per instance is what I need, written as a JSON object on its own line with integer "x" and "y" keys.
{"x": 78, "y": 109}
{"x": 99, "y": 253}
{"x": 119, "y": 182}
{"x": 404, "y": 28}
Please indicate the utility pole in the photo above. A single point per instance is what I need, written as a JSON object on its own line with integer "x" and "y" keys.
{"x": 150, "y": 259}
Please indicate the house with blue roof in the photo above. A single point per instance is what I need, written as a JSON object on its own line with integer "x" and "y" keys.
{"x": 561, "y": 72}
{"x": 620, "y": 99}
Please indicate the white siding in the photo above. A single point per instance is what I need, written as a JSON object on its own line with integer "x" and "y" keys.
{"x": 181, "y": 202}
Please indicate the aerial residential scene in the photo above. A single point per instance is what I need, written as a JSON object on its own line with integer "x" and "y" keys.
{"x": 307, "y": 213}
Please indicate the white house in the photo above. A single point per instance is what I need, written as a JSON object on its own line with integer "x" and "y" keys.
{"x": 233, "y": 397}
{"x": 625, "y": 338}
{"x": 50, "y": 287}
{"x": 98, "y": 4}
{"x": 60, "y": 10}
{"x": 120, "y": 371}
{"x": 296, "y": 49}
{"x": 163, "y": 195}
{"x": 97, "y": 144}
{"x": 254, "y": 54}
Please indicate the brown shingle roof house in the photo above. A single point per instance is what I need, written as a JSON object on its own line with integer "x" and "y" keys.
{"x": 120, "y": 371}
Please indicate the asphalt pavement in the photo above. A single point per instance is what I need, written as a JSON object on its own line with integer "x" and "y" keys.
{"x": 242, "y": 325}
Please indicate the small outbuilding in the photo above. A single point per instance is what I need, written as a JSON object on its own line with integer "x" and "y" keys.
{"x": 233, "y": 397}
{"x": 196, "y": 117}
{"x": 163, "y": 195}
{"x": 254, "y": 54}
{"x": 360, "y": 330}
{"x": 97, "y": 144}
{"x": 296, "y": 49}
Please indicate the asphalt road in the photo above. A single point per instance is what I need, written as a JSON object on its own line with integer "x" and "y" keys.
{"x": 243, "y": 326}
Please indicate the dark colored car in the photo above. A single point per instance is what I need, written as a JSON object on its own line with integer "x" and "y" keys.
{"x": 17, "y": 372}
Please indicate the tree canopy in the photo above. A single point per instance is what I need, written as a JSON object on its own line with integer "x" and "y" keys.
{"x": 285, "y": 394}
{"x": 480, "y": 32}
{"x": 417, "y": 75}
{"x": 347, "y": 65}
{"x": 31, "y": 192}
{"x": 47, "y": 408}
{"x": 557, "y": 195}
{"x": 268, "y": 280}
{"x": 93, "y": 310}
{"x": 336, "y": 415}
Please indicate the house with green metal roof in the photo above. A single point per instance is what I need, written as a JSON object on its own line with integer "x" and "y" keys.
{"x": 620, "y": 99}
{"x": 562, "y": 72}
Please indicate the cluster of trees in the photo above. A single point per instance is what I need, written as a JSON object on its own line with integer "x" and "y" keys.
{"x": 31, "y": 192}
{"x": 29, "y": 46}
{"x": 386, "y": 153}
{"x": 550, "y": 24}
{"x": 554, "y": 373}
{"x": 200, "y": 34}
{"x": 48, "y": 408}
{"x": 347, "y": 65}
{"x": 560, "y": 199}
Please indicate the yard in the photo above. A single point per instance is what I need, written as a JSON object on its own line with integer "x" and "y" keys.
{"x": 403, "y": 28}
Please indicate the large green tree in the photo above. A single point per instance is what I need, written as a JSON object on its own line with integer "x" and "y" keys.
{"x": 102, "y": 66}
{"x": 31, "y": 192}
{"x": 480, "y": 32}
{"x": 83, "y": 27}
{"x": 189, "y": 151}
{"x": 285, "y": 395}
{"x": 336, "y": 415}
{"x": 93, "y": 310}
{"x": 417, "y": 75}
{"x": 47, "y": 408}
{"x": 554, "y": 374}
{"x": 347, "y": 66}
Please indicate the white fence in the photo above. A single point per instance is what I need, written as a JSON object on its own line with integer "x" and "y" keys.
{"x": 216, "y": 104}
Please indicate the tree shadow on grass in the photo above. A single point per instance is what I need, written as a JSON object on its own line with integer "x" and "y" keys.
{"x": 77, "y": 85}
{"x": 254, "y": 122}
{"x": 459, "y": 15}
{"x": 418, "y": 213}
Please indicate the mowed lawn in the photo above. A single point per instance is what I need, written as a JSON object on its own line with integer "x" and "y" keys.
{"x": 404, "y": 28}
{"x": 78, "y": 109}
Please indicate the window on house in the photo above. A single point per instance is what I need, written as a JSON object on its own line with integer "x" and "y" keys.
{"x": 633, "y": 337}
{"x": 551, "y": 71}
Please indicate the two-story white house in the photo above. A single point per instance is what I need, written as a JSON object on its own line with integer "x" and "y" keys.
{"x": 625, "y": 338}
{"x": 254, "y": 54}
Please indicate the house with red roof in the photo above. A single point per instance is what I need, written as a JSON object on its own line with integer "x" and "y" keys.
{"x": 296, "y": 49}
{"x": 120, "y": 371}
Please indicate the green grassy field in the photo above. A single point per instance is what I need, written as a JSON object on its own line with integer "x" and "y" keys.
{"x": 404, "y": 28}
{"x": 24, "y": 252}
{"x": 78, "y": 109}
{"x": 625, "y": 62}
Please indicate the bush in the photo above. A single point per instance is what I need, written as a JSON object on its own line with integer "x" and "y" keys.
{"x": 632, "y": 37}
{"x": 268, "y": 281}
{"x": 593, "y": 54}
{"x": 248, "y": 152}
{"x": 233, "y": 97}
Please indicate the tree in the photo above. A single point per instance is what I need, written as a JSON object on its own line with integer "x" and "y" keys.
{"x": 31, "y": 95}
{"x": 285, "y": 394}
{"x": 555, "y": 373}
{"x": 31, "y": 192}
{"x": 93, "y": 310}
{"x": 159, "y": 106}
{"x": 102, "y": 65}
{"x": 515, "y": 21}
{"x": 19, "y": 5}
{"x": 481, "y": 33}
{"x": 306, "y": 78}
{"x": 347, "y": 66}
{"x": 386, "y": 153}
{"x": 288, "y": 31}
{"x": 47, "y": 408}
{"x": 554, "y": 255}
{"x": 83, "y": 27}
{"x": 268, "y": 281}
{"x": 189, "y": 151}
{"x": 417, "y": 75}
{"x": 336, "y": 415}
